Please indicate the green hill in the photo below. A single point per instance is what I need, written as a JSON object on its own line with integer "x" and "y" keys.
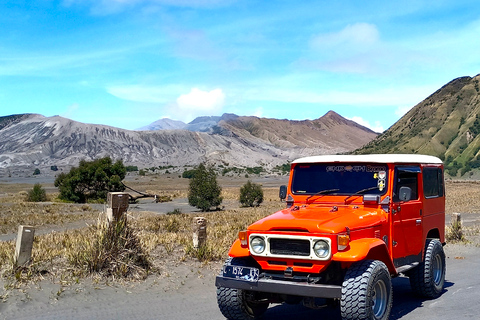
{"x": 446, "y": 125}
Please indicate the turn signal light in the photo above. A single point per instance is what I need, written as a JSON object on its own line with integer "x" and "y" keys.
{"x": 242, "y": 236}
{"x": 343, "y": 240}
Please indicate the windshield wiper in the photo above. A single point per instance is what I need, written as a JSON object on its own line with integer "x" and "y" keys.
{"x": 359, "y": 192}
{"x": 323, "y": 192}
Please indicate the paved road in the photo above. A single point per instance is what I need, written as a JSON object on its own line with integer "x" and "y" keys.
{"x": 194, "y": 298}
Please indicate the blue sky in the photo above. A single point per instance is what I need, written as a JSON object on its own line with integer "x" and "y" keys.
{"x": 127, "y": 63}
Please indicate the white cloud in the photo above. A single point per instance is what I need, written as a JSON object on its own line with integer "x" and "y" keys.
{"x": 258, "y": 112}
{"x": 197, "y": 103}
{"x": 71, "y": 111}
{"x": 377, "y": 127}
{"x": 375, "y": 97}
{"x": 149, "y": 94}
{"x": 104, "y": 7}
{"x": 354, "y": 36}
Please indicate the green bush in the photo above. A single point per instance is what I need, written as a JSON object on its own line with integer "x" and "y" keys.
{"x": 251, "y": 194}
{"x": 91, "y": 180}
{"x": 204, "y": 191}
{"x": 188, "y": 174}
{"x": 37, "y": 194}
{"x": 36, "y": 172}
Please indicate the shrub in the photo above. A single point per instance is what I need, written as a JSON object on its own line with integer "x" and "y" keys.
{"x": 251, "y": 194}
{"x": 37, "y": 194}
{"x": 204, "y": 191}
{"x": 36, "y": 172}
{"x": 454, "y": 231}
{"x": 188, "y": 174}
{"x": 115, "y": 250}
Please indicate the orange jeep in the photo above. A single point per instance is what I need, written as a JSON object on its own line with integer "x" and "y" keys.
{"x": 352, "y": 223}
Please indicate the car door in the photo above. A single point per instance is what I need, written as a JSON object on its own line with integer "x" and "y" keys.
{"x": 407, "y": 217}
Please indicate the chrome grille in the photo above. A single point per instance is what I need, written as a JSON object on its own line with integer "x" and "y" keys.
{"x": 290, "y": 247}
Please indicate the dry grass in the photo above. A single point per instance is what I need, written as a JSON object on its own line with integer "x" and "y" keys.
{"x": 162, "y": 239}
{"x": 39, "y": 214}
{"x": 159, "y": 240}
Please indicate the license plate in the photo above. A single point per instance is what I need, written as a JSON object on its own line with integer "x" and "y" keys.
{"x": 242, "y": 273}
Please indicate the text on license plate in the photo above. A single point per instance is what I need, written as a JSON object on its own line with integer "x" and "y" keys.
{"x": 238, "y": 272}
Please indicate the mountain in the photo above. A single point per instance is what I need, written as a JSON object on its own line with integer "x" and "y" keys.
{"x": 164, "y": 124}
{"x": 446, "y": 124}
{"x": 199, "y": 124}
{"x": 327, "y": 132}
{"x": 37, "y": 141}
{"x": 207, "y": 124}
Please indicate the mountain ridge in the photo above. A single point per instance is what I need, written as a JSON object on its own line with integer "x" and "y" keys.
{"x": 35, "y": 140}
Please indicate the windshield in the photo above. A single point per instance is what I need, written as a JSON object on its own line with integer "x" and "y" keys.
{"x": 339, "y": 179}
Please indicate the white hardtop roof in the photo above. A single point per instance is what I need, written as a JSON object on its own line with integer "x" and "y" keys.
{"x": 372, "y": 158}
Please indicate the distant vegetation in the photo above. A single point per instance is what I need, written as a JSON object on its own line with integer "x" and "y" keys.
{"x": 131, "y": 168}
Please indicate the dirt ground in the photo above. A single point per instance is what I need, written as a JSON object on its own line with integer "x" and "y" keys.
{"x": 186, "y": 290}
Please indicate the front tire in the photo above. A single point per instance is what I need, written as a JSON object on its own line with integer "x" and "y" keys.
{"x": 236, "y": 304}
{"x": 366, "y": 292}
{"x": 428, "y": 278}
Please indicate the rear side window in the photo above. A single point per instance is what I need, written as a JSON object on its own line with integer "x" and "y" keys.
{"x": 432, "y": 182}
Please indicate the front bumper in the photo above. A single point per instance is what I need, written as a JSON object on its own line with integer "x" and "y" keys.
{"x": 303, "y": 289}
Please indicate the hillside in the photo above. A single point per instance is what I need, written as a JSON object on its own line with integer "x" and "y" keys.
{"x": 446, "y": 124}
{"x": 32, "y": 141}
{"x": 329, "y": 131}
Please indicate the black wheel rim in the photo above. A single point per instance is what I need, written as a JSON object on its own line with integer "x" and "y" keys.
{"x": 379, "y": 299}
{"x": 437, "y": 270}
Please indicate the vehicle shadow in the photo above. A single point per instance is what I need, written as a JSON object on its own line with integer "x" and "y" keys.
{"x": 404, "y": 302}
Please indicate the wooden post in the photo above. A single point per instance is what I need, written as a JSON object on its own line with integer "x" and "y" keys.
{"x": 117, "y": 206}
{"x": 23, "y": 248}
{"x": 199, "y": 232}
{"x": 456, "y": 225}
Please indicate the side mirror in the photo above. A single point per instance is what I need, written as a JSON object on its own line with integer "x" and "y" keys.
{"x": 404, "y": 194}
{"x": 283, "y": 192}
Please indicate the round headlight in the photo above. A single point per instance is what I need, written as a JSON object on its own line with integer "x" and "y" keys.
{"x": 257, "y": 244}
{"x": 321, "y": 248}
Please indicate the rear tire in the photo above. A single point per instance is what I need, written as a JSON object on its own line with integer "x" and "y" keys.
{"x": 428, "y": 278}
{"x": 236, "y": 305}
{"x": 366, "y": 292}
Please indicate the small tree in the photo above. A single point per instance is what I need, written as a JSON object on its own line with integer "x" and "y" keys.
{"x": 204, "y": 191}
{"x": 91, "y": 180}
{"x": 36, "y": 172}
{"x": 37, "y": 194}
{"x": 251, "y": 194}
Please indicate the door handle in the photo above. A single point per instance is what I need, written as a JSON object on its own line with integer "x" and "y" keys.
{"x": 418, "y": 222}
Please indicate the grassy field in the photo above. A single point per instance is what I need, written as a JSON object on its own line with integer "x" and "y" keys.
{"x": 153, "y": 241}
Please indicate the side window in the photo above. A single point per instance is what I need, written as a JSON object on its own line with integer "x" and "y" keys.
{"x": 406, "y": 177}
{"x": 432, "y": 182}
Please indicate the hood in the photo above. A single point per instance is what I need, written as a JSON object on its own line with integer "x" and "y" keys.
{"x": 321, "y": 219}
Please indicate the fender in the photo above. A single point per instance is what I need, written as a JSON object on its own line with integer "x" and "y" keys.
{"x": 237, "y": 250}
{"x": 371, "y": 248}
